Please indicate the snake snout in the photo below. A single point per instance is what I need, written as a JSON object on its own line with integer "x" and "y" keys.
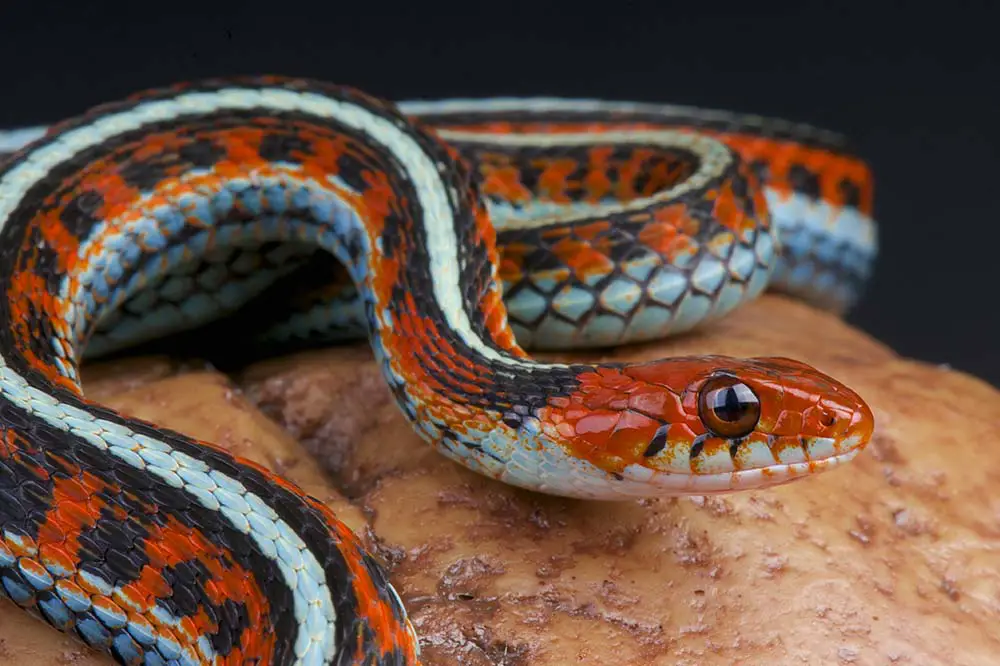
{"x": 831, "y": 418}
{"x": 860, "y": 428}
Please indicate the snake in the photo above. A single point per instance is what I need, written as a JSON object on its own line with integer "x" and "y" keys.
{"x": 458, "y": 236}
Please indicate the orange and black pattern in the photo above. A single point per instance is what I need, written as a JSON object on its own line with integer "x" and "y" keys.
{"x": 161, "y": 549}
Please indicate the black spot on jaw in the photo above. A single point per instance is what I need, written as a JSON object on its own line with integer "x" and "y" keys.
{"x": 698, "y": 445}
{"x": 658, "y": 443}
{"x": 734, "y": 447}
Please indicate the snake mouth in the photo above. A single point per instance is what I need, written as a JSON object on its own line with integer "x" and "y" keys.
{"x": 811, "y": 456}
{"x": 636, "y": 481}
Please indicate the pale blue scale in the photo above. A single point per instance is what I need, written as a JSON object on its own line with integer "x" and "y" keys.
{"x": 260, "y": 525}
{"x": 550, "y": 328}
{"x": 691, "y": 310}
{"x": 289, "y": 554}
{"x": 78, "y": 603}
{"x": 640, "y": 269}
{"x": 742, "y": 262}
{"x": 151, "y": 658}
{"x": 93, "y": 632}
{"x": 127, "y": 648}
{"x": 205, "y": 645}
{"x": 195, "y": 478}
{"x": 109, "y": 618}
{"x": 651, "y": 317}
{"x": 171, "y": 221}
{"x": 709, "y": 275}
{"x": 620, "y": 296}
{"x": 7, "y": 558}
{"x": 225, "y": 482}
{"x": 168, "y": 648}
{"x": 206, "y": 497}
{"x": 529, "y": 304}
{"x": 544, "y": 283}
{"x": 261, "y": 509}
{"x": 604, "y": 330}
{"x": 722, "y": 248}
{"x": 572, "y": 303}
{"x": 40, "y": 580}
{"x": 11, "y": 140}
{"x": 595, "y": 277}
{"x": 667, "y": 286}
{"x": 758, "y": 282}
{"x": 729, "y": 297}
{"x": 17, "y": 590}
{"x": 56, "y": 570}
{"x": 237, "y": 520}
{"x": 129, "y": 455}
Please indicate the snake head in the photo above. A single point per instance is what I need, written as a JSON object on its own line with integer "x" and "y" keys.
{"x": 710, "y": 424}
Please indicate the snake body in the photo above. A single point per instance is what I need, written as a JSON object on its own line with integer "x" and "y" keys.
{"x": 470, "y": 231}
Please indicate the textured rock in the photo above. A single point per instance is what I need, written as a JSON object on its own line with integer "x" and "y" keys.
{"x": 893, "y": 559}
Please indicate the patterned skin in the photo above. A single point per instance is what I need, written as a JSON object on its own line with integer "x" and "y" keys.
{"x": 162, "y": 549}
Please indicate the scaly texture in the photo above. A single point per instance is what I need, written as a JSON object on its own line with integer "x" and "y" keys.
{"x": 614, "y": 227}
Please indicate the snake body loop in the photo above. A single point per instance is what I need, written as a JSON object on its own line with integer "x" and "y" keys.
{"x": 467, "y": 231}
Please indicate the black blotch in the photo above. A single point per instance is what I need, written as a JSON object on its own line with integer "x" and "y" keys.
{"x": 182, "y": 578}
{"x": 804, "y": 181}
{"x": 734, "y": 446}
{"x": 279, "y": 146}
{"x": 698, "y": 445}
{"x": 166, "y": 497}
{"x": 761, "y": 169}
{"x": 851, "y": 192}
{"x": 134, "y": 479}
{"x": 34, "y": 493}
{"x": 11, "y": 507}
{"x": 201, "y": 153}
{"x": 658, "y": 443}
{"x": 125, "y": 565}
{"x": 8, "y": 477}
{"x": 80, "y": 215}
{"x": 143, "y": 174}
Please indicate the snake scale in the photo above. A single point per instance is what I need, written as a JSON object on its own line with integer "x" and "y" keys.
{"x": 465, "y": 233}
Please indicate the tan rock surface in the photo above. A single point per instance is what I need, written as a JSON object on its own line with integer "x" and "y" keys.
{"x": 893, "y": 559}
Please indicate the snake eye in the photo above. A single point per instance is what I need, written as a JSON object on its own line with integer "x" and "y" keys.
{"x": 728, "y": 407}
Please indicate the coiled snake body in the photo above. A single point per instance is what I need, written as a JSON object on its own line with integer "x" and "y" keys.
{"x": 471, "y": 230}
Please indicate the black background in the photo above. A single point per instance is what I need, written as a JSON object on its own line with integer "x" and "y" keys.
{"x": 914, "y": 84}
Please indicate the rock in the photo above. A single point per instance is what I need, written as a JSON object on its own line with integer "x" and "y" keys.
{"x": 892, "y": 559}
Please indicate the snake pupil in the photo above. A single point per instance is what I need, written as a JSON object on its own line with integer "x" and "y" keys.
{"x": 728, "y": 407}
{"x": 729, "y": 404}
